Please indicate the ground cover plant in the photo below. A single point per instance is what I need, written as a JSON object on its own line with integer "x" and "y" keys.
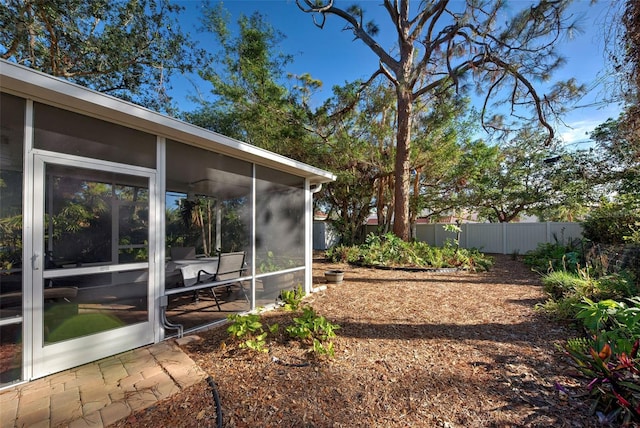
{"x": 602, "y": 299}
{"x": 608, "y": 358}
{"x": 414, "y": 349}
{"x": 390, "y": 251}
{"x": 308, "y": 328}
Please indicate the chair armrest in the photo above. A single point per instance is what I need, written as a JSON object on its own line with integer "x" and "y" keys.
{"x": 205, "y": 272}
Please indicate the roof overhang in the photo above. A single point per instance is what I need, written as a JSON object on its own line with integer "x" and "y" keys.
{"x": 31, "y": 84}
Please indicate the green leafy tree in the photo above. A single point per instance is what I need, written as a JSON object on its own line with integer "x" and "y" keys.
{"x": 617, "y": 158}
{"x": 442, "y": 157}
{"x": 358, "y": 132}
{"x": 249, "y": 99}
{"x": 446, "y": 45}
{"x": 515, "y": 180}
{"x": 354, "y": 145}
{"x": 623, "y": 47}
{"x": 448, "y": 195}
{"x": 574, "y": 176}
{"x": 127, "y": 49}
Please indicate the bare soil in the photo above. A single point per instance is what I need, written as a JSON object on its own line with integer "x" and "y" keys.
{"x": 415, "y": 349}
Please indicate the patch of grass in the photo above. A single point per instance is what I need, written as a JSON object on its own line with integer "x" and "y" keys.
{"x": 560, "y": 284}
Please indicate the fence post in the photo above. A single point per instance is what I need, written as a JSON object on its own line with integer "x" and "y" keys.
{"x": 464, "y": 231}
{"x": 504, "y": 238}
{"x": 548, "y": 232}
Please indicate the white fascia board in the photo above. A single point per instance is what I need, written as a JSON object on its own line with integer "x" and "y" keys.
{"x": 47, "y": 89}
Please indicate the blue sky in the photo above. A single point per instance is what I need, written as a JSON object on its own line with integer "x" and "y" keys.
{"x": 334, "y": 57}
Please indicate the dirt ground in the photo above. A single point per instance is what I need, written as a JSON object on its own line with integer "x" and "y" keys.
{"x": 415, "y": 349}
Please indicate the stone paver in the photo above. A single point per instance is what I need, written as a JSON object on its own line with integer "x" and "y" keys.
{"x": 114, "y": 412}
{"x": 141, "y": 400}
{"x": 127, "y": 384}
{"x": 92, "y": 420}
{"x": 161, "y": 385}
{"x": 101, "y": 393}
{"x": 8, "y": 408}
{"x": 35, "y": 414}
{"x": 65, "y": 407}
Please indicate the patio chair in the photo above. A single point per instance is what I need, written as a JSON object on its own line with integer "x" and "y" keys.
{"x": 220, "y": 273}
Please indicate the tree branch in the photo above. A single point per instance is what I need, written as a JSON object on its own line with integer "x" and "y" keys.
{"x": 353, "y": 25}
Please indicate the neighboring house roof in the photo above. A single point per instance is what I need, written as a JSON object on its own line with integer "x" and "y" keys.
{"x": 28, "y": 83}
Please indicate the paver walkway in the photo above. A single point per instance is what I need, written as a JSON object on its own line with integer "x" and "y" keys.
{"x": 100, "y": 393}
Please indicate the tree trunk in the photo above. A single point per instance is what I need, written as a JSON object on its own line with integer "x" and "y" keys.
{"x": 402, "y": 165}
{"x": 380, "y": 204}
{"x": 413, "y": 213}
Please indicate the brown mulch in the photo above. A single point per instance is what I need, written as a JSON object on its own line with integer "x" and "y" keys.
{"x": 415, "y": 349}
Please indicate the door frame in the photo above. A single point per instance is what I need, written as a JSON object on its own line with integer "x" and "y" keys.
{"x": 42, "y": 360}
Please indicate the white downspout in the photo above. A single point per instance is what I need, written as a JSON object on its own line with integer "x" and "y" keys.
{"x": 309, "y": 237}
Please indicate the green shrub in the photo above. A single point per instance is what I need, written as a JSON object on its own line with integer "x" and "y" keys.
{"x": 608, "y": 357}
{"x": 343, "y": 254}
{"x": 614, "y": 286}
{"x": 614, "y": 323}
{"x": 633, "y": 237}
{"x": 561, "y": 309}
{"x": 548, "y": 257}
{"x": 314, "y": 328}
{"x": 610, "y": 223}
{"x": 389, "y": 250}
{"x": 248, "y": 329}
{"x": 291, "y": 299}
{"x": 310, "y": 328}
{"x": 567, "y": 288}
{"x": 561, "y": 284}
{"x": 631, "y": 264}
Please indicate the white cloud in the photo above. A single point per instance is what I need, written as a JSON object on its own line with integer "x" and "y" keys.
{"x": 579, "y": 124}
{"x": 577, "y": 131}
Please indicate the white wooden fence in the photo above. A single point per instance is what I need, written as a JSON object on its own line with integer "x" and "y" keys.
{"x": 500, "y": 238}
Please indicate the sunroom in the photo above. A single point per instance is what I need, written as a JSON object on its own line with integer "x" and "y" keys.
{"x": 105, "y": 208}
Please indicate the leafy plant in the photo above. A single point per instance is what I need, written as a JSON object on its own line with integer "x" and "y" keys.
{"x": 271, "y": 263}
{"x": 553, "y": 256}
{"x": 314, "y": 328}
{"x": 614, "y": 286}
{"x": 389, "y": 250}
{"x": 454, "y": 228}
{"x": 568, "y": 289}
{"x": 291, "y": 299}
{"x": 614, "y": 378}
{"x": 560, "y": 309}
{"x": 561, "y": 284}
{"x": 614, "y": 323}
{"x": 633, "y": 236}
{"x": 249, "y": 330}
{"x": 611, "y": 222}
{"x": 343, "y": 253}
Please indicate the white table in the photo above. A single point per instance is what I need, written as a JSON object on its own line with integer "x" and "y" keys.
{"x": 173, "y": 265}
